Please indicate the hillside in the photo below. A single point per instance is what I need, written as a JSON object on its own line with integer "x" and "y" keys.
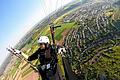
{"x": 94, "y": 47}
{"x": 90, "y": 31}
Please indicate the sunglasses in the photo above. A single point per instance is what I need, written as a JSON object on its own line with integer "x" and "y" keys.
{"x": 41, "y": 43}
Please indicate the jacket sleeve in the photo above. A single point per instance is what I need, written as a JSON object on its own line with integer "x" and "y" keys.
{"x": 33, "y": 56}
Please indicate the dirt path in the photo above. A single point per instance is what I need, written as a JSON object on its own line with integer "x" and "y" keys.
{"x": 64, "y": 35}
{"x": 32, "y": 76}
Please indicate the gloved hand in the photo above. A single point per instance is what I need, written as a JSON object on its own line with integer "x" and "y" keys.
{"x": 14, "y": 51}
{"x": 62, "y": 51}
{"x": 17, "y": 51}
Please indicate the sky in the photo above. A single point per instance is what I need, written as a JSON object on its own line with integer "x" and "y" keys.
{"x": 19, "y": 16}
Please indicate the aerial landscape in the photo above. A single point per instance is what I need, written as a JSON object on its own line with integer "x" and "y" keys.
{"x": 90, "y": 32}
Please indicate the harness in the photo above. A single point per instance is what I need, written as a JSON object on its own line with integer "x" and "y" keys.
{"x": 48, "y": 56}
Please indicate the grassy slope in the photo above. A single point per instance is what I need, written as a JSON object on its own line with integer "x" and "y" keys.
{"x": 109, "y": 63}
{"x": 13, "y": 71}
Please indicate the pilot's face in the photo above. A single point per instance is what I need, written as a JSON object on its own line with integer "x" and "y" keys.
{"x": 42, "y": 45}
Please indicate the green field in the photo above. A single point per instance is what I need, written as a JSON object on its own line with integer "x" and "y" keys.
{"x": 15, "y": 67}
{"x": 65, "y": 26}
{"x": 108, "y": 64}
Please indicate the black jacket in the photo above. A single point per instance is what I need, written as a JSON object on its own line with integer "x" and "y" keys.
{"x": 41, "y": 55}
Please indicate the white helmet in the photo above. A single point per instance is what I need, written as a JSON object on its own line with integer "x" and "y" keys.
{"x": 43, "y": 39}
